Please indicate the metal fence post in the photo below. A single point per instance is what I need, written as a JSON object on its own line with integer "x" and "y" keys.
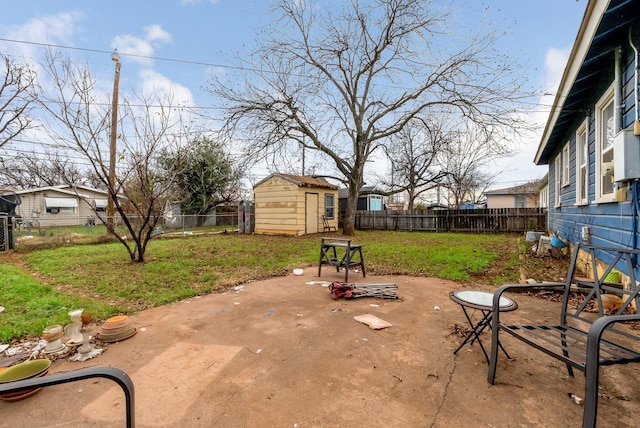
{"x": 247, "y": 217}
{"x": 240, "y": 217}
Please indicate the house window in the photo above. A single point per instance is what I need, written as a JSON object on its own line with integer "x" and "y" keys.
{"x": 605, "y": 130}
{"x": 558, "y": 179}
{"x": 329, "y": 207}
{"x": 60, "y": 205}
{"x": 582, "y": 164}
{"x": 100, "y": 204}
{"x": 375, "y": 203}
{"x": 565, "y": 165}
{"x": 520, "y": 201}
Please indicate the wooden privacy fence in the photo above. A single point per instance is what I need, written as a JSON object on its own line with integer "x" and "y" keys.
{"x": 494, "y": 220}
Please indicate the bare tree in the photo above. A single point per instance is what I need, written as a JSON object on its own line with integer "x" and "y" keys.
{"x": 343, "y": 83}
{"x": 17, "y": 96}
{"x": 29, "y": 169}
{"x": 465, "y": 159}
{"x": 81, "y": 125}
{"x": 413, "y": 156}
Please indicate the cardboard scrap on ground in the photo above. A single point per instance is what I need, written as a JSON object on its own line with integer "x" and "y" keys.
{"x": 373, "y": 321}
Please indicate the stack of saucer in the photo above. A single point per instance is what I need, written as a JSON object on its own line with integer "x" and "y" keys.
{"x": 116, "y": 329}
{"x": 52, "y": 335}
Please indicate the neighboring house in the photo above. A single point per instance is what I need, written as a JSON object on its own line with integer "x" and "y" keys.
{"x": 521, "y": 196}
{"x": 589, "y": 141}
{"x": 62, "y": 205}
{"x": 294, "y": 205}
{"x": 369, "y": 199}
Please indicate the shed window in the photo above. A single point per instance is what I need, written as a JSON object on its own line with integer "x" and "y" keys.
{"x": 605, "y": 130}
{"x": 582, "y": 164}
{"x": 329, "y": 207}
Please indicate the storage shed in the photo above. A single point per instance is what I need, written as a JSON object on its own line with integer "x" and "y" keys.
{"x": 294, "y": 205}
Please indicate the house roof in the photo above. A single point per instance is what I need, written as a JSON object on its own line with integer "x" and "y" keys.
{"x": 300, "y": 181}
{"x": 364, "y": 190}
{"x": 63, "y": 188}
{"x": 527, "y": 188}
{"x": 591, "y": 65}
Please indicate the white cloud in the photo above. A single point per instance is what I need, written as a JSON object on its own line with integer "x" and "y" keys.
{"x": 54, "y": 29}
{"x": 128, "y": 44}
{"x": 142, "y": 47}
{"x": 555, "y": 61}
{"x": 156, "y": 33}
{"x": 521, "y": 168}
{"x": 155, "y": 83}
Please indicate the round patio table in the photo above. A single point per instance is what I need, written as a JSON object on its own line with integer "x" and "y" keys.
{"x": 482, "y": 301}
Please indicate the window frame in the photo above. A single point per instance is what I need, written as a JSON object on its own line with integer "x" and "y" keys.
{"x": 558, "y": 179}
{"x": 377, "y": 199}
{"x": 582, "y": 164}
{"x": 329, "y": 206}
{"x": 606, "y": 100}
{"x": 566, "y": 165}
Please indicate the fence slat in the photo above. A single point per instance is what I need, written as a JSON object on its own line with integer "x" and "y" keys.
{"x": 490, "y": 220}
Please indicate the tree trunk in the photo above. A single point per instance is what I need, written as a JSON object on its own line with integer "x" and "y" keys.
{"x": 349, "y": 220}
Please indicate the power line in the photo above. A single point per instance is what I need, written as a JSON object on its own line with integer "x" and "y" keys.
{"x": 183, "y": 61}
{"x": 191, "y": 62}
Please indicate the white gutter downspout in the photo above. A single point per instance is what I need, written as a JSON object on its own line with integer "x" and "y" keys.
{"x": 618, "y": 97}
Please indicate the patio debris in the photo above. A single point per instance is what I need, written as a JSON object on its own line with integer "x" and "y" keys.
{"x": 86, "y": 356}
{"x": 372, "y": 321}
{"x": 610, "y": 303}
{"x": 436, "y": 308}
{"x": 575, "y": 398}
{"x": 322, "y": 283}
{"x": 353, "y": 291}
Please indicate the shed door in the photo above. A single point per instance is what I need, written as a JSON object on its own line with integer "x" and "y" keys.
{"x": 311, "y": 213}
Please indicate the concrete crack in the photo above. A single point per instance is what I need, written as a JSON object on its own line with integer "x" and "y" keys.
{"x": 446, "y": 389}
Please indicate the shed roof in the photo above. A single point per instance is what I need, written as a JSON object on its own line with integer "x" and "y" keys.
{"x": 300, "y": 181}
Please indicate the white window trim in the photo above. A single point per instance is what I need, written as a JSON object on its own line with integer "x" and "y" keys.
{"x": 331, "y": 196}
{"x": 557, "y": 180}
{"x": 608, "y": 97}
{"x": 582, "y": 130}
{"x": 566, "y": 165}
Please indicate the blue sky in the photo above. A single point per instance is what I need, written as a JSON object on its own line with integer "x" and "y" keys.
{"x": 195, "y": 34}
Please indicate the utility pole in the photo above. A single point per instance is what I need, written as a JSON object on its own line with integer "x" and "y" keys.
{"x": 112, "y": 146}
{"x": 303, "y": 155}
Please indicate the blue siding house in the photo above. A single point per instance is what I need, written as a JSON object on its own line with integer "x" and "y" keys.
{"x": 591, "y": 141}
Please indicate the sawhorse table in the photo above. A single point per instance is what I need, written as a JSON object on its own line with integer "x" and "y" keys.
{"x": 352, "y": 257}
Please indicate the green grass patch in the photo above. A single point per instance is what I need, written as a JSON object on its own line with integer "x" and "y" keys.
{"x": 102, "y": 279}
{"x": 30, "y": 305}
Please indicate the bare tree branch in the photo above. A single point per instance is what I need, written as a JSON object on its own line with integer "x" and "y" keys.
{"x": 347, "y": 82}
{"x": 17, "y": 95}
{"x": 81, "y": 125}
